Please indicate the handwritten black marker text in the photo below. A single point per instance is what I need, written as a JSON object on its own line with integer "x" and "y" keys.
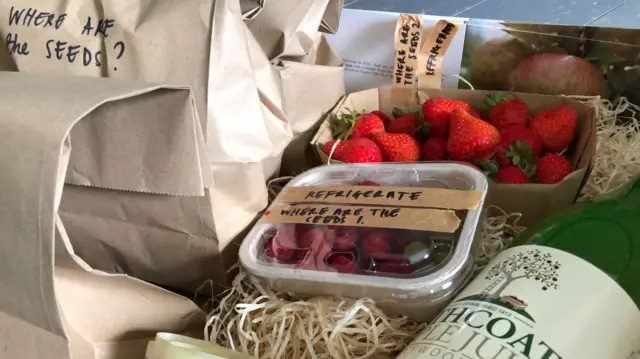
{"x": 59, "y": 49}
{"x": 410, "y": 35}
{"x": 435, "y": 50}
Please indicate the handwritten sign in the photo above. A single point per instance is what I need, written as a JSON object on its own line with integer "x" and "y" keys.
{"x": 432, "y": 54}
{"x": 407, "y": 44}
{"x": 385, "y": 196}
{"x": 421, "y": 219}
{"x": 57, "y": 49}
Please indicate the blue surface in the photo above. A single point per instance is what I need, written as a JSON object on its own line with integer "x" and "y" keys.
{"x": 612, "y": 13}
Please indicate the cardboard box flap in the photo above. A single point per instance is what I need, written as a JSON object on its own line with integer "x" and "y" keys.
{"x": 124, "y": 142}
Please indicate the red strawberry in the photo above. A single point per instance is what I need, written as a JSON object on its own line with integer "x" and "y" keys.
{"x": 383, "y": 116}
{"x": 434, "y": 149}
{"x": 555, "y": 127}
{"x": 519, "y": 146}
{"x": 351, "y": 124}
{"x": 327, "y": 147}
{"x": 367, "y": 125}
{"x": 342, "y": 262}
{"x": 511, "y": 174}
{"x": 437, "y": 112}
{"x": 398, "y": 147}
{"x": 408, "y": 123}
{"x": 471, "y": 138}
{"x": 376, "y": 242}
{"x": 552, "y": 169}
{"x": 357, "y": 150}
{"x": 504, "y": 113}
{"x": 368, "y": 183}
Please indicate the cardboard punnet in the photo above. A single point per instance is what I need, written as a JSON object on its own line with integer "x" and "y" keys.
{"x": 247, "y": 95}
{"x": 534, "y": 201}
{"x": 59, "y": 134}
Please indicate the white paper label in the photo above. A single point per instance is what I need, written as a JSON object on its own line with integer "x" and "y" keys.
{"x": 534, "y": 302}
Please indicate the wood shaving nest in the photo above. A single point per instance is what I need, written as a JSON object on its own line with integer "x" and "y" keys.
{"x": 256, "y": 321}
{"x": 617, "y": 157}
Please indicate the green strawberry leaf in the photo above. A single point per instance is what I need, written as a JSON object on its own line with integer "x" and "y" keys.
{"x": 489, "y": 167}
{"x": 522, "y": 157}
{"x": 397, "y": 112}
{"x": 342, "y": 125}
{"x": 494, "y": 98}
{"x": 481, "y": 106}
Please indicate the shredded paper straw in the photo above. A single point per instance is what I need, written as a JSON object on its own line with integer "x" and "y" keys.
{"x": 254, "y": 320}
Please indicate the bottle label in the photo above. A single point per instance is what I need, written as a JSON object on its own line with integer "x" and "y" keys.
{"x": 534, "y": 302}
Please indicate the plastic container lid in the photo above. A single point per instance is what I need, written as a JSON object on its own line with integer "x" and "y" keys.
{"x": 378, "y": 230}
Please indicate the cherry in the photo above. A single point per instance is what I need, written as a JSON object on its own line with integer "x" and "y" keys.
{"x": 376, "y": 242}
{"x": 400, "y": 266}
{"x": 283, "y": 254}
{"x": 345, "y": 242}
{"x": 342, "y": 262}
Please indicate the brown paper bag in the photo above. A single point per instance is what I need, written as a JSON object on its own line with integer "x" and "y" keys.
{"x": 253, "y": 106}
{"x": 417, "y": 77}
{"x": 330, "y": 18}
{"x": 133, "y": 138}
{"x": 293, "y": 37}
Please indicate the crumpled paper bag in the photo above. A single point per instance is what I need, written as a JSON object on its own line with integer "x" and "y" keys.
{"x": 255, "y": 100}
{"x": 135, "y": 139}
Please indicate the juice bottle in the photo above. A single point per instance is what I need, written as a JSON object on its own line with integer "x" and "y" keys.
{"x": 569, "y": 287}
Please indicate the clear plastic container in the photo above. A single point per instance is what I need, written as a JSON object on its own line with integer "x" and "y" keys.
{"x": 409, "y": 272}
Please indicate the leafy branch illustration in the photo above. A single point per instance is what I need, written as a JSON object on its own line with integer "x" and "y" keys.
{"x": 531, "y": 264}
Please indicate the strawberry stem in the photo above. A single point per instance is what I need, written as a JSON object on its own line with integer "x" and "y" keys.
{"x": 489, "y": 167}
{"x": 397, "y": 112}
{"x": 342, "y": 124}
{"x": 494, "y": 99}
{"x": 522, "y": 157}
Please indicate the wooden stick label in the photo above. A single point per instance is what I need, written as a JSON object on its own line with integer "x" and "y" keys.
{"x": 420, "y": 219}
{"x": 407, "y": 46}
{"x": 384, "y": 196}
{"x": 431, "y": 57}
